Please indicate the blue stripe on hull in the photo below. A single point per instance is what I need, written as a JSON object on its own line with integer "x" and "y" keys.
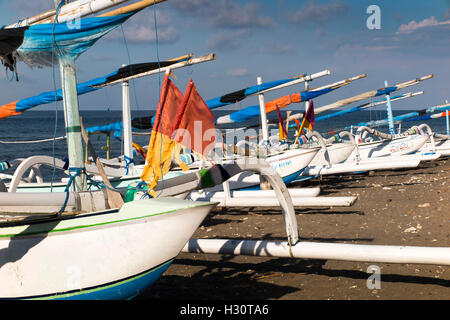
{"x": 304, "y": 178}
{"x": 287, "y": 180}
{"x": 124, "y": 289}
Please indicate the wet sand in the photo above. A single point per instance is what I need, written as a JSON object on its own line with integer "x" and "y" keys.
{"x": 399, "y": 207}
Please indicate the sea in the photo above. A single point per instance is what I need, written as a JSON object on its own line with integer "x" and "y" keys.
{"x": 47, "y": 125}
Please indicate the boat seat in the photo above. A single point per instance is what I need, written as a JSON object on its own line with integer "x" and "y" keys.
{"x": 35, "y": 204}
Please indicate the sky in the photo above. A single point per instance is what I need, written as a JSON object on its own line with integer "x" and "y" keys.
{"x": 273, "y": 39}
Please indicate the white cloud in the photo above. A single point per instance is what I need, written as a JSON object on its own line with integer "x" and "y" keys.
{"x": 27, "y": 8}
{"x": 277, "y": 47}
{"x": 227, "y": 41}
{"x": 141, "y": 28}
{"x": 239, "y": 72}
{"x": 224, "y": 13}
{"x": 318, "y": 13}
{"x": 413, "y": 25}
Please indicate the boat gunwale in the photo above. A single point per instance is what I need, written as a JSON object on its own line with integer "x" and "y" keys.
{"x": 46, "y": 226}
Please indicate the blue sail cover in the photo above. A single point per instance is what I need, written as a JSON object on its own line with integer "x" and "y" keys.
{"x": 237, "y": 96}
{"x": 254, "y": 111}
{"x": 416, "y": 116}
{"x": 20, "y": 106}
{"x": 429, "y": 116}
{"x": 386, "y": 90}
{"x": 115, "y": 127}
{"x": 52, "y": 96}
{"x": 43, "y": 42}
{"x": 358, "y": 108}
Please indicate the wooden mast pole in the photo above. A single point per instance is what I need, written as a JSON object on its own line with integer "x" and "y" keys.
{"x": 72, "y": 121}
{"x": 389, "y": 111}
{"x": 126, "y": 123}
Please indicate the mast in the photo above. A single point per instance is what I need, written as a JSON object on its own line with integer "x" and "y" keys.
{"x": 262, "y": 108}
{"x": 126, "y": 120}
{"x": 447, "y": 121}
{"x": 307, "y": 102}
{"x": 389, "y": 111}
{"x": 73, "y": 125}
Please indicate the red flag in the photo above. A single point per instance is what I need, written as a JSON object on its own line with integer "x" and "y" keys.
{"x": 169, "y": 103}
{"x": 195, "y": 123}
{"x": 282, "y": 130}
{"x": 308, "y": 120}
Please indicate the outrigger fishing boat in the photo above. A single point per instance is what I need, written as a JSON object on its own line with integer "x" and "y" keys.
{"x": 437, "y": 143}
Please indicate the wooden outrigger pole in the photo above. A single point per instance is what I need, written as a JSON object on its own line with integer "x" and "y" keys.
{"x": 367, "y": 106}
{"x": 363, "y": 96}
{"x": 190, "y": 60}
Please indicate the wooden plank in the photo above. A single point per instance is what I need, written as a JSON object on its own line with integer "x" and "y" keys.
{"x": 114, "y": 198}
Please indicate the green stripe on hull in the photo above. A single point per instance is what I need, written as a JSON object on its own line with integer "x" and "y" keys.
{"x": 47, "y": 227}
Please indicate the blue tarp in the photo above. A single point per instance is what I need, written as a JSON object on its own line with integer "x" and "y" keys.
{"x": 253, "y": 111}
{"x": 115, "y": 127}
{"x": 234, "y": 97}
{"x": 52, "y": 96}
{"x": 66, "y": 40}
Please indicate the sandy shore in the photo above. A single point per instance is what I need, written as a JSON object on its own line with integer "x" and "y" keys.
{"x": 401, "y": 207}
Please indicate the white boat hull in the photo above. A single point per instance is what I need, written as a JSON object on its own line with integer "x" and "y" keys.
{"x": 337, "y": 153}
{"x": 288, "y": 164}
{"x": 105, "y": 255}
{"x": 387, "y": 148}
{"x": 365, "y": 165}
{"x": 441, "y": 146}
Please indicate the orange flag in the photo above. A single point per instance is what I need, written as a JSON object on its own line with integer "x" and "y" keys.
{"x": 159, "y": 155}
{"x": 179, "y": 121}
{"x": 308, "y": 120}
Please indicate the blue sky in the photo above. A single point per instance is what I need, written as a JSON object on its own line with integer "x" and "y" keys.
{"x": 273, "y": 39}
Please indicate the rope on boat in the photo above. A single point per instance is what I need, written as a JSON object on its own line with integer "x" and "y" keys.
{"x": 128, "y": 162}
{"x": 33, "y": 141}
{"x": 75, "y": 172}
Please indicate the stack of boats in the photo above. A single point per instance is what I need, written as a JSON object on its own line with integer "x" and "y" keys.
{"x": 85, "y": 238}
